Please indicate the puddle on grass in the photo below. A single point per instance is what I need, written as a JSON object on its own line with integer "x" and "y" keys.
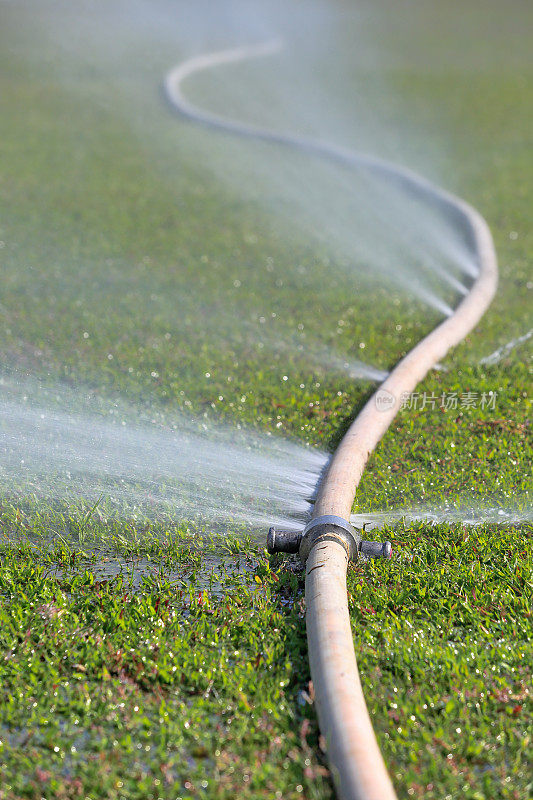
{"x": 134, "y": 572}
{"x": 77, "y": 745}
{"x": 139, "y": 574}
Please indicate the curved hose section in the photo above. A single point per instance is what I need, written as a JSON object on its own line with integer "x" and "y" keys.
{"x": 353, "y": 753}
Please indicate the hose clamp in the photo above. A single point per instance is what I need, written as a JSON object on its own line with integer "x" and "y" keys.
{"x": 330, "y": 528}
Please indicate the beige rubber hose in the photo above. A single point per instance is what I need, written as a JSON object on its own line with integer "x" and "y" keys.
{"x": 353, "y": 753}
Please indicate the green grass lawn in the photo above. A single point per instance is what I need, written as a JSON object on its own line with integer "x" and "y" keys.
{"x": 137, "y": 663}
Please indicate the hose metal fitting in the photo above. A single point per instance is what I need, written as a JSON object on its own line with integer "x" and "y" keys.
{"x": 326, "y": 528}
{"x": 283, "y": 541}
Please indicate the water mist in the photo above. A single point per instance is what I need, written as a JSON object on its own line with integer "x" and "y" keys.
{"x": 115, "y": 55}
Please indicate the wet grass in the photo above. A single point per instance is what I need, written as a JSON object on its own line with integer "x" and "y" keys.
{"x": 194, "y": 682}
{"x": 160, "y": 690}
{"x": 444, "y": 636}
{"x": 146, "y": 659}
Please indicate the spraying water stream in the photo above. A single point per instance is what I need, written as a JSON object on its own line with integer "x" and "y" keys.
{"x": 460, "y": 513}
{"x": 188, "y": 468}
{"x": 211, "y": 478}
